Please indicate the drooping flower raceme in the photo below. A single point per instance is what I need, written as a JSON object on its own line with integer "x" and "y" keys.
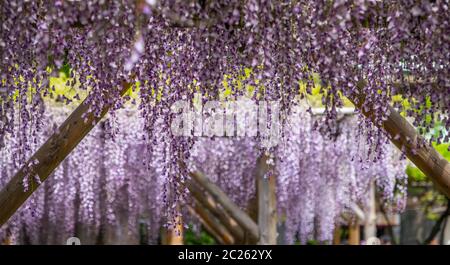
{"x": 175, "y": 49}
{"x": 108, "y": 185}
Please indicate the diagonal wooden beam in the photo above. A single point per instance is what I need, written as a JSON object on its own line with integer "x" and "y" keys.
{"x": 241, "y": 217}
{"x": 49, "y": 156}
{"x": 213, "y": 222}
{"x": 211, "y": 205}
{"x": 406, "y": 138}
{"x": 205, "y": 225}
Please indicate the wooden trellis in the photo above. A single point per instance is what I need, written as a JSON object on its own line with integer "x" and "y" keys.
{"x": 81, "y": 121}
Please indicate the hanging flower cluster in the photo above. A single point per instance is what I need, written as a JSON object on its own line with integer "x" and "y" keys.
{"x": 230, "y": 163}
{"x": 108, "y": 185}
{"x": 319, "y": 178}
{"x": 363, "y": 49}
{"x": 175, "y": 48}
{"x": 102, "y": 188}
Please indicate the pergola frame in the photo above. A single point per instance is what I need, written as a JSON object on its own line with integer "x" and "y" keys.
{"x": 48, "y": 157}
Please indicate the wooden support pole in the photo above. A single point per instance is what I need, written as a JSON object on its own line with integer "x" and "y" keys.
{"x": 171, "y": 237}
{"x": 209, "y": 203}
{"x": 266, "y": 197}
{"x": 353, "y": 233}
{"x": 230, "y": 207}
{"x": 337, "y": 235}
{"x": 370, "y": 222}
{"x": 8, "y": 240}
{"x": 405, "y": 137}
{"x": 49, "y": 156}
{"x": 174, "y": 236}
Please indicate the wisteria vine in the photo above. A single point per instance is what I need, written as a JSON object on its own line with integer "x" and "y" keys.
{"x": 173, "y": 49}
{"x": 108, "y": 187}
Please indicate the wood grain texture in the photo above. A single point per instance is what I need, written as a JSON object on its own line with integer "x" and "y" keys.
{"x": 405, "y": 137}
{"x": 49, "y": 156}
{"x": 241, "y": 217}
{"x": 267, "y": 202}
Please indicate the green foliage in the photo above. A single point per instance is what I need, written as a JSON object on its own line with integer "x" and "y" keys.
{"x": 313, "y": 242}
{"x": 193, "y": 238}
{"x": 421, "y": 186}
{"x": 65, "y": 69}
{"x": 415, "y": 174}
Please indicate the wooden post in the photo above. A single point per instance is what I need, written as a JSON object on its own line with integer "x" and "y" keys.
{"x": 337, "y": 235}
{"x": 49, "y": 156}
{"x": 7, "y": 240}
{"x": 353, "y": 233}
{"x": 405, "y": 137}
{"x": 266, "y": 197}
{"x": 370, "y": 222}
{"x": 174, "y": 236}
